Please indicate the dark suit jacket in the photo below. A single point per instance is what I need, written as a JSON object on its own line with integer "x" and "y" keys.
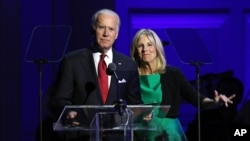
{"x": 77, "y": 82}
{"x": 174, "y": 88}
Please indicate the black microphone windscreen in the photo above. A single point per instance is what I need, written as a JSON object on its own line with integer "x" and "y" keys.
{"x": 112, "y": 67}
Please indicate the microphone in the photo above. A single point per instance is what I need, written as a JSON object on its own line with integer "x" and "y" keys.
{"x": 112, "y": 69}
{"x": 120, "y": 105}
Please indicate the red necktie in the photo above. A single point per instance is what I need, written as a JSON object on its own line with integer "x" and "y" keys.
{"x": 103, "y": 78}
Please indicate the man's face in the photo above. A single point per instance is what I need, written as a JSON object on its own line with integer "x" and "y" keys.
{"x": 106, "y": 31}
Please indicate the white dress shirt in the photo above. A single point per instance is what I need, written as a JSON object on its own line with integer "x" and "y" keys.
{"x": 108, "y": 59}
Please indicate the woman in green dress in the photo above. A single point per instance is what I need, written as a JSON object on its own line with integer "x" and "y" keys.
{"x": 162, "y": 84}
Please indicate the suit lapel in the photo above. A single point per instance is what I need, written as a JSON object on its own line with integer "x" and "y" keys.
{"x": 87, "y": 62}
{"x": 114, "y": 87}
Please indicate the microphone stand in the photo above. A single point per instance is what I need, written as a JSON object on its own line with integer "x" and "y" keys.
{"x": 197, "y": 67}
{"x": 120, "y": 105}
{"x": 40, "y": 64}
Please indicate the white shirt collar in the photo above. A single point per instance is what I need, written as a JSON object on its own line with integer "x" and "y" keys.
{"x": 108, "y": 59}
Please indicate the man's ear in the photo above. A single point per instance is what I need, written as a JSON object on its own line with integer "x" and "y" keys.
{"x": 92, "y": 31}
{"x": 116, "y": 35}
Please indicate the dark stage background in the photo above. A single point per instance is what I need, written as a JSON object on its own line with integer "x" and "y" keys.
{"x": 223, "y": 26}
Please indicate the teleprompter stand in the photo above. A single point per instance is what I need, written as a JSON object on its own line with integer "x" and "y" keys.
{"x": 47, "y": 44}
{"x": 191, "y": 50}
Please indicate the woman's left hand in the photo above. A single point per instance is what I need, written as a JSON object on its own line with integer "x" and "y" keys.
{"x": 148, "y": 117}
{"x": 221, "y": 98}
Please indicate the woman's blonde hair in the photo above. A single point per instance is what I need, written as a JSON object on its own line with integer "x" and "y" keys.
{"x": 156, "y": 41}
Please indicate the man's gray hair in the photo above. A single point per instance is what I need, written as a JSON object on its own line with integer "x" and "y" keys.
{"x": 106, "y": 12}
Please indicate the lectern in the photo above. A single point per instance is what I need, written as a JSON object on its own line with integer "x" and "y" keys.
{"x": 96, "y": 119}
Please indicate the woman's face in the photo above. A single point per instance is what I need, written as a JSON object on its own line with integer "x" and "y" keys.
{"x": 146, "y": 49}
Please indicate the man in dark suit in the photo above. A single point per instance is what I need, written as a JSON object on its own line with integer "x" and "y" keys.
{"x": 77, "y": 80}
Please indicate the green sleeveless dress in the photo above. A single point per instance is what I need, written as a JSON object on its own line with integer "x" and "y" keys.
{"x": 168, "y": 129}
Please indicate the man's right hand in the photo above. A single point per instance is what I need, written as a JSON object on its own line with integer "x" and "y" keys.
{"x": 71, "y": 119}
